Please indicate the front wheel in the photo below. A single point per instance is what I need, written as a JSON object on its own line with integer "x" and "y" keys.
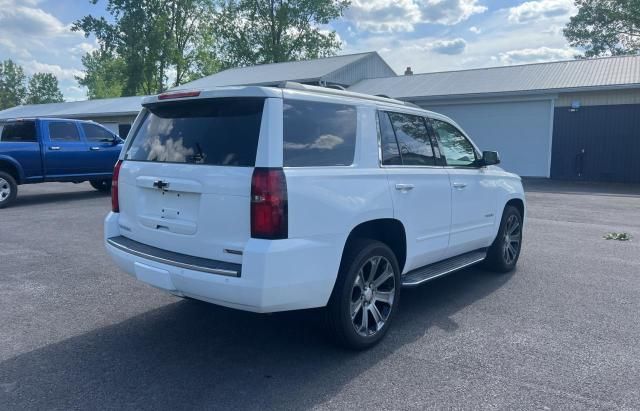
{"x": 104, "y": 186}
{"x": 8, "y": 189}
{"x": 366, "y": 295}
{"x": 504, "y": 252}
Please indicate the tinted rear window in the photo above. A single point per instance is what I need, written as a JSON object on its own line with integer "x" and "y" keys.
{"x": 318, "y": 134}
{"x": 18, "y": 132}
{"x": 220, "y": 132}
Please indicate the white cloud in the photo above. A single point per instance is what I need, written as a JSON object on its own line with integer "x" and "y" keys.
{"x": 380, "y": 16}
{"x": 475, "y": 30}
{"x": 541, "y": 9}
{"x": 534, "y": 55}
{"x": 450, "y": 47}
{"x": 450, "y": 12}
{"x": 33, "y": 66}
{"x": 83, "y": 48}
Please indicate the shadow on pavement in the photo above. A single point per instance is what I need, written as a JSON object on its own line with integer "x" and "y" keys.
{"x": 195, "y": 355}
{"x": 31, "y": 199}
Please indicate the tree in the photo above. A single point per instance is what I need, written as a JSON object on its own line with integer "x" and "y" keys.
{"x": 12, "y": 84}
{"x": 605, "y": 27}
{"x": 43, "y": 88}
{"x": 151, "y": 38}
{"x": 270, "y": 31}
{"x": 104, "y": 75}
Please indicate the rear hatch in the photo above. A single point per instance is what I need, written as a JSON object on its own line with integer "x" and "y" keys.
{"x": 185, "y": 181}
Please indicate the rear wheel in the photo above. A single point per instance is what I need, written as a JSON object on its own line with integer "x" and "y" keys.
{"x": 104, "y": 186}
{"x": 366, "y": 295}
{"x": 8, "y": 189}
{"x": 504, "y": 252}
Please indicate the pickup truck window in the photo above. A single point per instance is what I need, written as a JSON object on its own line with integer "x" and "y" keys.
{"x": 218, "y": 132}
{"x": 18, "y": 132}
{"x": 318, "y": 134}
{"x": 96, "y": 133}
{"x": 63, "y": 131}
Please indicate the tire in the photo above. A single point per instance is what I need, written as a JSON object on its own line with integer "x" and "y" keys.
{"x": 8, "y": 189}
{"x": 352, "y": 293}
{"x": 104, "y": 186}
{"x": 503, "y": 254}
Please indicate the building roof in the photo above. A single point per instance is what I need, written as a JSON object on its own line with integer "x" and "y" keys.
{"x": 301, "y": 71}
{"x": 609, "y": 72}
{"x": 108, "y": 107}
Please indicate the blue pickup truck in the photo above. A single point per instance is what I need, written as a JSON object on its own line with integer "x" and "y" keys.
{"x": 48, "y": 149}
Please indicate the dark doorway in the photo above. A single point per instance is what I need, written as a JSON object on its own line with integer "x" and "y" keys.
{"x": 598, "y": 143}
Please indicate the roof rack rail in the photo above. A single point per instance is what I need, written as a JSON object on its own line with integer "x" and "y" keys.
{"x": 292, "y": 85}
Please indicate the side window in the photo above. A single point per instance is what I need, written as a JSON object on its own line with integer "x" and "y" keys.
{"x": 318, "y": 134}
{"x": 18, "y": 132}
{"x": 390, "y": 151}
{"x": 456, "y": 149}
{"x": 413, "y": 139}
{"x": 96, "y": 133}
{"x": 63, "y": 131}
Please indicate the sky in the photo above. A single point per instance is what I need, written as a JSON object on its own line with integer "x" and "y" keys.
{"x": 427, "y": 35}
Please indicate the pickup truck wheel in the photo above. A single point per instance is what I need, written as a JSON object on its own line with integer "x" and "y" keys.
{"x": 503, "y": 254}
{"x": 8, "y": 189}
{"x": 366, "y": 295}
{"x": 104, "y": 186}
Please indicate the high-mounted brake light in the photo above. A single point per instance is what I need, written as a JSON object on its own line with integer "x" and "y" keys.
{"x": 269, "y": 211}
{"x": 178, "y": 94}
{"x": 115, "y": 201}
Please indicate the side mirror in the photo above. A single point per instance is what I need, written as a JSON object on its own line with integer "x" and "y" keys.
{"x": 490, "y": 158}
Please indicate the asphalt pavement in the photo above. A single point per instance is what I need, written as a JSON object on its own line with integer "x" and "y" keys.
{"x": 561, "y": 332}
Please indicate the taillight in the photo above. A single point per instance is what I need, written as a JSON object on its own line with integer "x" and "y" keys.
{"x": 269, "y": 212}
{"x": 115, "y": 203}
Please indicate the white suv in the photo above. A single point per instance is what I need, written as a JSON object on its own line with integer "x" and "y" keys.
{"x": 283, "y": 198}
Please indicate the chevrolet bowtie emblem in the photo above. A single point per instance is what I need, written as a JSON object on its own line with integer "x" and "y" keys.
{"x": 160, "y": 185}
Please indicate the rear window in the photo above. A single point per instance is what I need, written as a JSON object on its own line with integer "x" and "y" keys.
{"x": 18, "y": 132}
{"x": 318, "y": 134}
{"x": 219, "y": 132}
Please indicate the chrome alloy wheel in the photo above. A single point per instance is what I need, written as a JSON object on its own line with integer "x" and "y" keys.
{"x": 512, "y": 239}
{"x": 5, "y": 189}
{"x": 372, "y": 296}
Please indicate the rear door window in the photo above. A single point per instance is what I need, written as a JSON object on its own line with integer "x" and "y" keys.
{"x": 63, "y": 131}
{"x": 18, "y": 132}
{"x": 219, "y": 132}
{"x": 413, "y": 139}
{"x": 318, "y": 134}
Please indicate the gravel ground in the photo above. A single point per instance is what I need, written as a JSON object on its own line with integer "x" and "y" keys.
{"x": 561, "y": 332}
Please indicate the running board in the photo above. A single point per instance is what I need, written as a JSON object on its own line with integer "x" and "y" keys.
{"x": 430, "y": 272}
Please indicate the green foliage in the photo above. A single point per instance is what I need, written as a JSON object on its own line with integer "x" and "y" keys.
{"x": 605, "y": 27}
{"x": 104, "y": 75}
{"x": 149, "y": 39}
{"x": 269, "y": 31}
{"x": 43, "y": 88}
{"x": 13, "y": 88}
{"x": 618, "y": 236}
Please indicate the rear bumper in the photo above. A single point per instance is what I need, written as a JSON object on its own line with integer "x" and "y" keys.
{"x": 275, "y": 276}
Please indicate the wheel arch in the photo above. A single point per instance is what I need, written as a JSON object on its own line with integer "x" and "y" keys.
{"x": 389, "y": 231}
{"x": 10, "y": 166}
{"x": 517, "y": 203}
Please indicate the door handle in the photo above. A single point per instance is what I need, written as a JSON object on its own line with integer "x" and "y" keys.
{"x": 94, "y": 148}
{"x": 54, "y": 148}
{"x": 404, "y": 187}
{"x": 459, "y": 186}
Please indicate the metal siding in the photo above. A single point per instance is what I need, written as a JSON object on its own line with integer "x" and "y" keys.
{"x": 610, "y": 138}
{"x": 89, "y": 109}
{"x": 520, "y": 131}
{"x": 370, "y": 67}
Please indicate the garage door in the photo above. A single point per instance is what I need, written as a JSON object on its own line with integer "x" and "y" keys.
{"x": 520, "y": 131}
{"x": 598, "y": 143}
